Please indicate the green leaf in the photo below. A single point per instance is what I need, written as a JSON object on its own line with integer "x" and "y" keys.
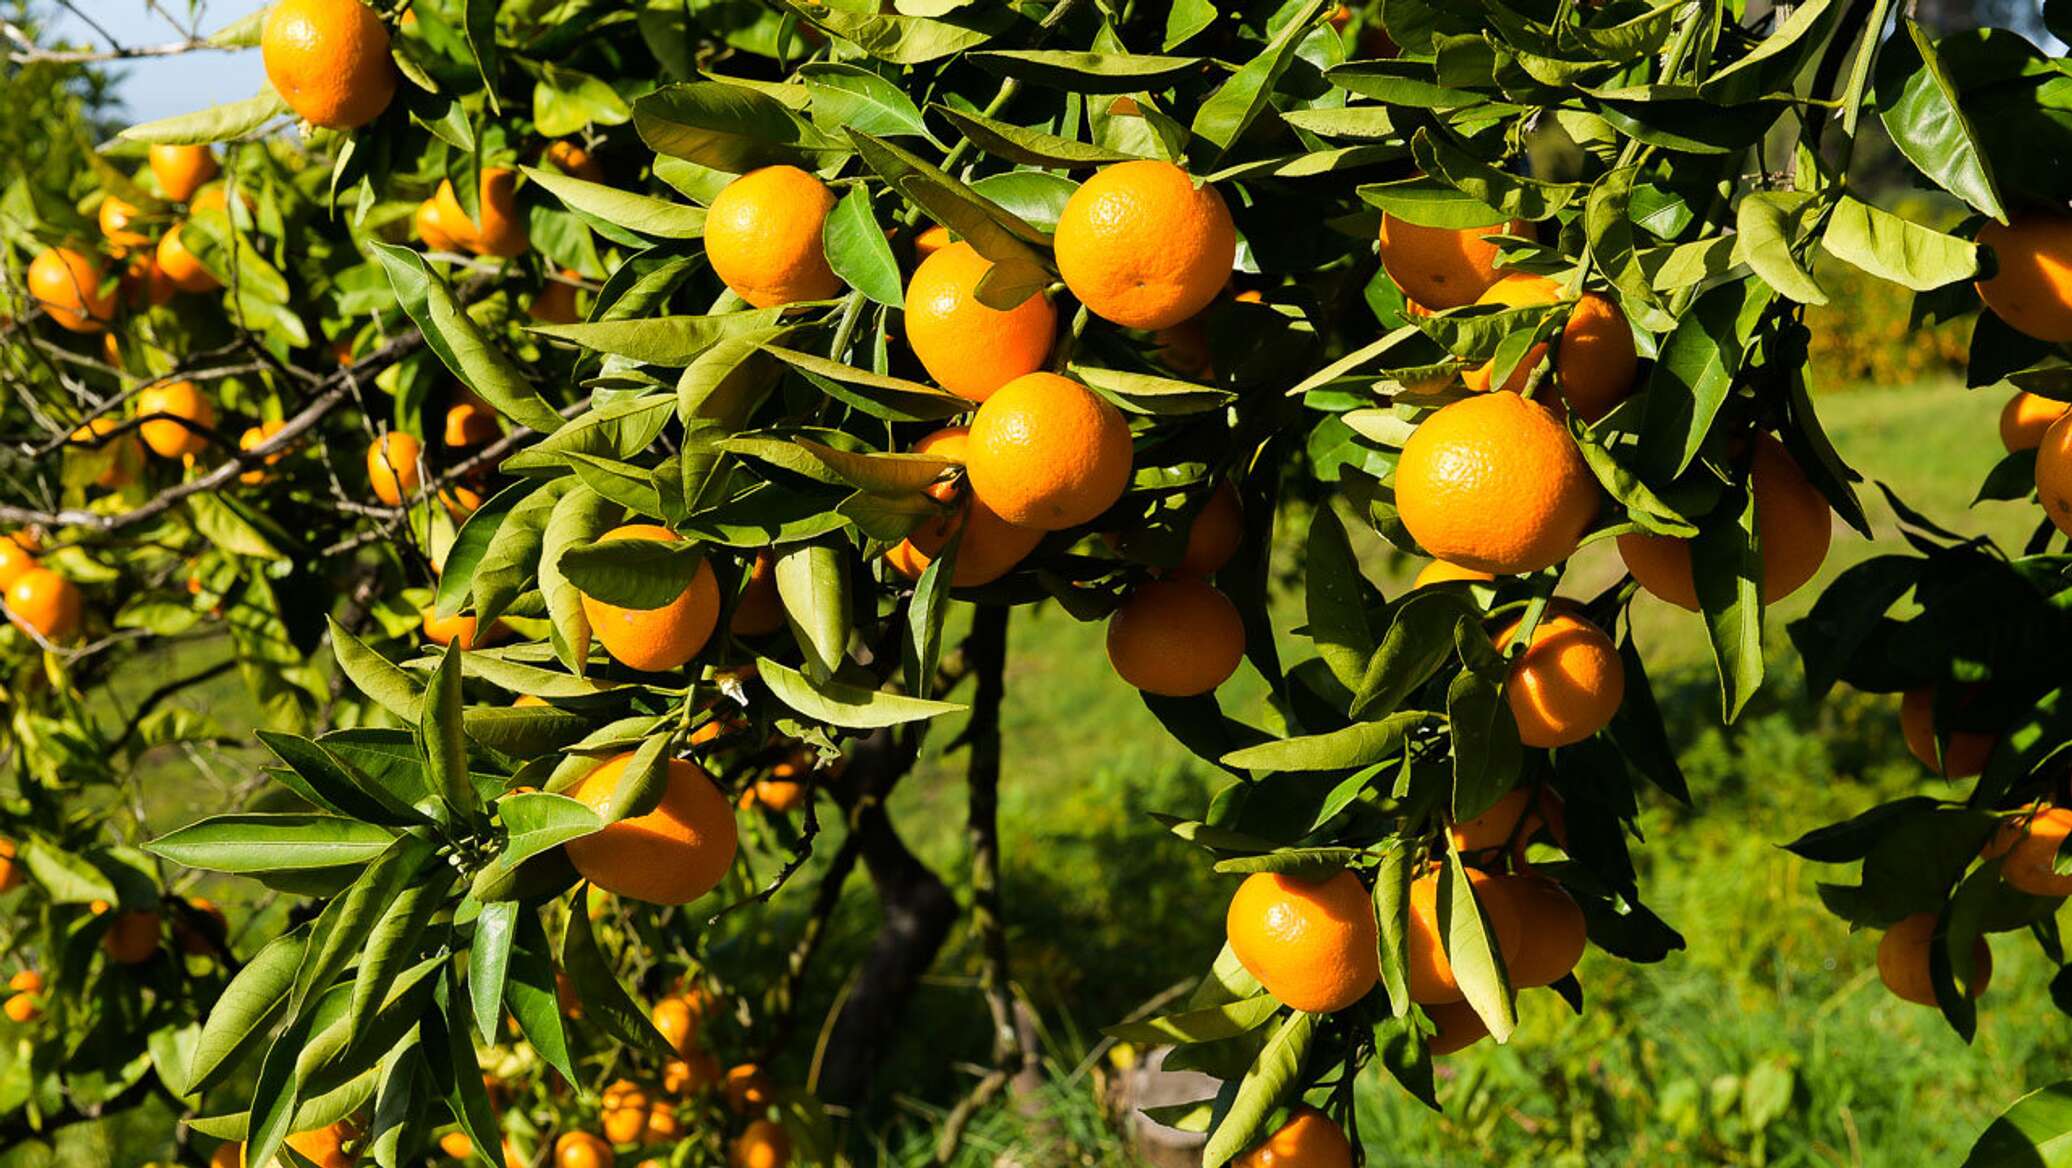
{"x": 219, "y": 123}
{"x": 510, "y": 562}
{"x": 374, "y": 675}
{"x": 1273, "y": 1077}
{"x": 841, "y": 704}
{"x": 1515, "y": 197}
{"x": 459, "y": 342}
{"x": 909, "y": 40}
{"x": 489, "y": 960}
{"x": 635, "y": 212}
{"x": 529, "y": 989}
{"x": 1080, "y": 72}
{"x": 633, "y": 573}
{"x": 1694, "y": 372}
{"x": 445, "y": 741}
{"x": 673, "y": 341}
{"x": 850, "y": 95}
{"x": 1229, "y": 112}
{"x": 1728, "y": 571}
{"x": 1769, "y": 224}
{"x": 565, "y": 101}
{"x": 581, "y": 515}
{"x": 392, "y": 945}
{"x": 265, "y": 842}
{"x": 1206, "y": 1024}
{"x": 336, "y": 785}
{"x": 1896, "y": 249}
{"x": 1392, "y": 912}
{"x": 1029, "y": 147}
{"x": 1358, "y": 745}
{"x": 1143, "y": 393}
{"x": 1421, "y": 634}
{"x": 1471, "y": 948}
{"x": 1921, "y": 109}
{"x": 1486, "y": 753}
{"x": 341, "y": 930}
{"x": 245, "y": 1011}
{"x": 813, "y": 581}
{"x": 858, "y": 251}
{"x": 1335, "y": 600}
{"x": 905, "y": 400}
{"x": 728, "y": 127}
{"x": 605, "y": 1001}
{"x": 2035, "y": 1132}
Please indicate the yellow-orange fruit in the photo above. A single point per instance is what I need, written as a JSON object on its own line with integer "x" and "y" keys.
{"x": 1312, "y": 944}
{"x": 458, "y": 629}
{"x": 1440, "y": 572}
{"x": 2027, "y": 849}
{"x": 21, "y": 1008}
{"x": 1545, "y": 923}
{"x": 1494, "y": 483}
{"x": 1792, "y": 524}
{"x": 2054, "y": 473}
{"x": 1567, "y": 684}
{"x": 392, "y": 467}
{"x": 252, "y": 439}
{"x": 206, "y": 930}
{"x": 748, "y": 1089}
{"x": 144, "y": 284}
{"x": 673, "y": 1018}
{"x": 68, "y": 286}
{"x": 46, "y": 604}
{"x": 2032, "y": 290}
{"x": 780, "y": 795}
{"x": 1215, "y": 533}
{"x": 672, "y": 855}
{"x": 759, "y": 611}
{"x": 657, "y": 639}
{"x": 501, "y": 230}
{"x": 1441, "y": 267}
{"x": 132, "y": 937}
{"x": 1141, "y": 245}
{"x": 1176, "y": 637}
{"x": 1514, "y": 816}
{"x": 968, "y": 348}
{"x": 166, "y": 407}
{"x": 433, "y": 230}
{"x": 623, "y": 1111}
{"x": 118, "y": 219}
{"x": 471, "y": 422}
{"x": 1903, "y": 960}
{"x": 1047, "y": 452}
{"x": 694, "y": 1073}
{"x": 1457, "y": 1027}
{"x": 457, "y": 1145}
{"x": 2026, "y": 418}
{"x": 12, "y": 875}
{"x": 329, "y": 60}
{"x": 932, "y": 239}
{"x": 14, "y": 560}
{"x": 762, "y": 1144}
{"x": 573, "y": 159}
{"x": 991, "y": 547}
{"x": 1430, "y": 973}
{"x": 181, "y": 170}
{"x": 180, "y": 265}
{"x": 580, "y": 1149}
{"x": 762, "y": 237}
{"x": 1307, "y": 1140}
{"x": 1962, "y": 757}
{"x": 1594, "y": 360}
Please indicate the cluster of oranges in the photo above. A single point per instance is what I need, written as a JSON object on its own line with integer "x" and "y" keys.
{"x": 2031, "y": 290}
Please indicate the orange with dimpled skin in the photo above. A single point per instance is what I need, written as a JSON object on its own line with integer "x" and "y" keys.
{"x": 763, "y": 237}
{"x": 1567, "y": 684}
{"x": 1793, "y": 529}
{"x": 67, "y": 284}
{"x": 968, "y": 347}
{"x": 657, "y": 640}
{"x": 2032, "y": 289}
{"x": 1176, "y": 637}
{"x": 329, "y": 60}
{"x": 675, "y": 853}
{"x": 1495, "y": 483}
{"x": 1442, "y": 267}
{"x": 181, "y": 266}
{"x": 1047, "y": 452}
{"x": 1307, "y": 1140}
{"x": 181, "y": 170}
{"x": 1141, "y": 245}
{"x": 2027, "y": 849}
{"x": 1903, "y": 956}
{"x": 2026, "y": 418}
{"x": 1312, "y": 944}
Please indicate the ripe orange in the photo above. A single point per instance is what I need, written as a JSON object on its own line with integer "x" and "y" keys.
{"x": 1792, "y": 527}
{"x": 573, "y": 159}
{"x": 932, "y": 239}
{"x": 1176, "y": 637}
{"x": 181, "y": 170}
{"x": 132, "y": 937}
{"x": 329, "y": 60}
{"x": 1458, "y": 1027}
{"x": 1047, "y": 452}
{"x": 556, "y": 301}
{"x": 1515, "y": 816}
{"x": 1903, "y": 960}
{"x": 117, "y": 225}
{"x": 470, "y": 421}
{"x": 144, "y": 284}
{"x": 762, "y": 1144}
{"x": 1430, "y": 972}
{"x": 1962, "y": 757}
{"x": 46, "y": 604}
{"x": 68, "y": 286}
{"x": 392, "y": 467}
{"x": 762, "y": 237}
{"x": 780, "y": 795}
{"x": 657, "y": 640}
{"x": 672, "y": 855}
{"x": 1494, "y": 483}
{"x": 502, "y": 230}
{"x": 1214, "y": 535}
{"x": 14, "y": 560}
{"x": 759, "y": 611}
{"x": 12, "y": 874}
{"x": 623, "y": 1111}
{"x": 662, "y": 1125}
{"x": 2025, "y": 418}
{"x": 180, "y": 265}
{"x": 457, "y": 1145}
{"x": 673, "y": 1018}
{"x": 748, "y": 1089}
{"x": 458, "y": 628}
{"x": 694, "y": 1073}
{"x": 991, "y": 547}
{"x": 1440, "y": 572}
{"x": 161, "y": 405}
{"x": 429, "y": 221}
{"x": 581, "y": 1150}
{"x": 21, "y": 1008}
{"x": 1544, "y": 921}
{"x": 26, "y": 981}
{"x": 216, "y": 197}
{"x": 1308, "y": 1140}
{"x": 1595, "y": 361}
{"x": 1311, "y": 944}
{"x": 2032, "y": 291}
{"x": 1567, "y": 684}
{"x": 2027, "y": 849}
{"x": 2053, "y": 473}
{"x": 252, "y": 439}
{"x": 1141, "y": 245}
{"x": 968, "y": 348}
{"x": 1441, "y": 267}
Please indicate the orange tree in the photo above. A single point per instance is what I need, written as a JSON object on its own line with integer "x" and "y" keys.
{"x": 657, "y": 416}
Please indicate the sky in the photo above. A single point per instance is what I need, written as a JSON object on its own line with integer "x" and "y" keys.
{"x": 156, "y": 87}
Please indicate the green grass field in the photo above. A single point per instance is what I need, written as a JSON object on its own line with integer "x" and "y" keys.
{"x": 1769, "y": 1041}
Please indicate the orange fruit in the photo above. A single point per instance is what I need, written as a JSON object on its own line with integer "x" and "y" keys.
{"x": 433, "y": 230}
{"x": 1515, "y": 816}
{"x": 392, "y": 467}
{"x": 502, "y": 230}
{"x": 45, "y": 603}
{"x": 21, "y": 1008}
{"x": 2053, "y": 474}
{"x": 662, "y": 1125}
{"x": 68, "y": 286}
{"x": 1903, "y": 960}
{"x": 252, "y": 439}
{"x": 1308, "y": 1140}
{"x": 117, "y": 219}
{"x": 460, "y": 628}
{"x": 181, "y": 170}
{"x": 991, "y": 547}
{"x": 1141, "y": 245}
{"x": 657, "y": 640}
{"x": 144, "y": 284}
{"x": 570, "y": 158}
{"x": 329, "y": 60}
{"x": 1176, "y": 637}
{"x": 1442, "y": 267}
{"x": 1494, "y": 483}
{"x": 673, "y": 1017}
{"x": 26, "y": 981}
{"x": 529, "y": 701}
{"x": 161, "y": 405}
{"x": 14, "y": 560}
{"x": 12, "y": 875}
{"x": 2032, "y": 290}
{"x": 180, "y": 265}
{"x": 1792, "y": 527}
{"x": 780, "y": 795}
{"x": 1215, "y": 533}
{"x": 206, "y": 931}
{"x": 2027, "y": 849}
{"x": 762, "y": 1144}
{"x": 1430, "y": 973}
{"x": 1457, "y": 1027}
{"x": 132, "y": 937}
{"x": 695, "y": 1072}
{"x": 748, "y": 1089}
{"x": 1440, "y": 572}
{"x": 556, "y": 301}
{"x": 1567, "y": 684}
{"x": 457, "y": 1145}
{"x": 624, "y": 1112}
{"x": 581, "y": 1150}
{"x": 762, "y": 237}
{"x": 471, "y": 422}
{"x": 968, "y": 348}
{"x": 1312, "y": 944}
{"x": 1545, "y": 922}
{"x": 1963, "y": 756}
{"x": 1047, "y": 452}
{"x": 2025, "y": 418}
{"x": 932, "y": 239}
{"x": 216, "y": 197}
{"x": 1594, "y": 360}
{"x": 759, "y": 611}
{"x": 672, "y": 855}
